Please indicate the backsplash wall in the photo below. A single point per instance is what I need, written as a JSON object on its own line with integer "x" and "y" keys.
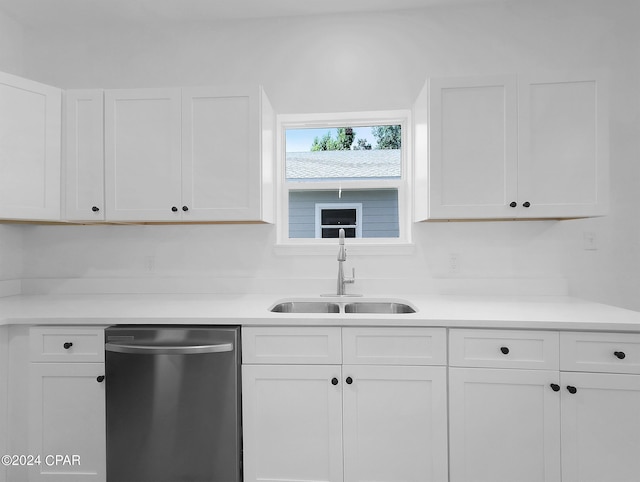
{"x": 11, "y": 260}
{"x": 360, "y": 62}
{"x": 242, "y": 255}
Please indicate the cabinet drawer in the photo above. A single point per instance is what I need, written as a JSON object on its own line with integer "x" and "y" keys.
{"x": 66, "y": 344}
{"x": 537, "y": 350}
{"x": 600, "y": 352}
{"x": 292, "y": 345}
{"x": 394, "y": 346}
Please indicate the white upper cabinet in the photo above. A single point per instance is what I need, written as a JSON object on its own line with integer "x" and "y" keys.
{"x": 192, "y": 154}
{"x": 511, "y": 147}
{"x": 30, "y": 129}
{"x": 472, "y": 170}
{"x": 142, "y": 154}
{"x": 221, "y": 153}
{"x": 84, "y": 155}
{"x": 563, "y": 146}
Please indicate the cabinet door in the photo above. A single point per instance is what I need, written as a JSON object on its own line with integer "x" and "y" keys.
{"x": 472, "y": 148}
{"x": 30, "y": 123}
{"x": 67, "y": 417}
{"x": 84, "y": 155}
{"x": 395, "y": 423}
{"x": 142, "y": 155}
{"x": 221, "y": 153}
{"x": 563, "y": 146}
{"x": 292, "y": 423}
{"x": 600, "y": 427}
{"x": 4, "y": 394}
{"x": 504, "y": 425}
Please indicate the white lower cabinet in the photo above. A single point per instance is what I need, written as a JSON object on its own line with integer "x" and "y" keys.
{"x": 504, "y": 425}
{"x": 600, "y": 375}
{"x": 4, "y": 396}
{"x": 394, "y": 423}
{"x": 344, "y": 422}
{"x": 292, "y": 418}
{"x": 67, "y": 417}
{"x": 66, "y": 409}
{"x": 600, "y": 427}
{"x": 579, "y": 422}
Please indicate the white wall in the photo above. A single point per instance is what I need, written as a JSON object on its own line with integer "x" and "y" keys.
{"x": 11, "y": 252}
{"x": 10, "y": 45}
{"x": 362, "y": 62}
{"x": 11, "y": 37}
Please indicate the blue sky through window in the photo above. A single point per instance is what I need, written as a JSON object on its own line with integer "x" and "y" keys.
{"x": 300, "y": 140}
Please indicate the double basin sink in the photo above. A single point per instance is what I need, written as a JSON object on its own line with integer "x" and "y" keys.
{"x": 332, "y": 306}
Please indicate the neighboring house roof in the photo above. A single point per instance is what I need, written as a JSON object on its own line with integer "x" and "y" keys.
{"x": 344, "y": 164}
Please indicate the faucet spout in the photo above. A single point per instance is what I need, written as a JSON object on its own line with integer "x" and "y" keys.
{"x": 342, "y": 252}
{"x": 342, "y": 257}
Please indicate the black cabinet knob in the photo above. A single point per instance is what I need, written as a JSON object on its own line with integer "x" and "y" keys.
{"x": 349, "y": 380}
{"x": 620, "y": 355}
{"x": 95, "y": 209}
{"x": 555, "y": 387}
{"x": 174, "y": 209}
{"x": 67, "y": 345}
{"x": 526, "y": 204}
{"x": 513, "y": 204}
{"x": 572, "y": 389}
{"x": 504, "y": 350}
{"x": 100, "y": 379}
{"x": 334, "y": 381}
{"x": 185, "y": 208}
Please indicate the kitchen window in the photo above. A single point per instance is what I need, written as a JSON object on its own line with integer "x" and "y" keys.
{"x": 344, "y": 170}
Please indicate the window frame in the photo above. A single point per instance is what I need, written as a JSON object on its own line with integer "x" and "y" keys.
{"x": 345, "y": 119}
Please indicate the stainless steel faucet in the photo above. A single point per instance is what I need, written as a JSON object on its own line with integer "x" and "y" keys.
{"x": 342, "y": 257}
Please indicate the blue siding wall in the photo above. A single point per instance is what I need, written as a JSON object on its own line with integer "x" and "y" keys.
{"x": 379, "y": 211}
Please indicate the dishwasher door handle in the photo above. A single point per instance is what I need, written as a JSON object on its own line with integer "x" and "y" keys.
{"x": 168, "y": 350}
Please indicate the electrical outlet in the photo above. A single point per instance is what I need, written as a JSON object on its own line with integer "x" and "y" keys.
{"x": 589, "y": 241}
{"x": 150, "y": 263}
{"x": 454, "y": 263}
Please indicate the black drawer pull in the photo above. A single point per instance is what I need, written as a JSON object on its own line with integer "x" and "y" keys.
{"x": 555, "y": 387}
{"x": 620, "y": 355}
{"x": 349, "y": 380}
{"x": 67, "y": 345}
{"x": 100, "y": 379}
{"x": 571, "y": 389}
{"x": 504, "y": 350}
{"x": 334, "y": 381}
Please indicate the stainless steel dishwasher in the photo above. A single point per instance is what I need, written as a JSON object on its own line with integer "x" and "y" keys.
{"x": 173, "y": 404}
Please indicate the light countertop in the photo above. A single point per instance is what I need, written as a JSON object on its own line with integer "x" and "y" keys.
{"x": 521, "y": 312}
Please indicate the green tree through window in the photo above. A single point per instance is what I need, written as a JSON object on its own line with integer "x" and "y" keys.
{"x": 387, "y": 137}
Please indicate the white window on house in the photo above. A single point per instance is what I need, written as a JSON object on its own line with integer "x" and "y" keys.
{"x": 346, "y": 171}
{"x": 332, "y": 217}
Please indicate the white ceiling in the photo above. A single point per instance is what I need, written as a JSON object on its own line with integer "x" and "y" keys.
{"x": 35, "y": 13}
